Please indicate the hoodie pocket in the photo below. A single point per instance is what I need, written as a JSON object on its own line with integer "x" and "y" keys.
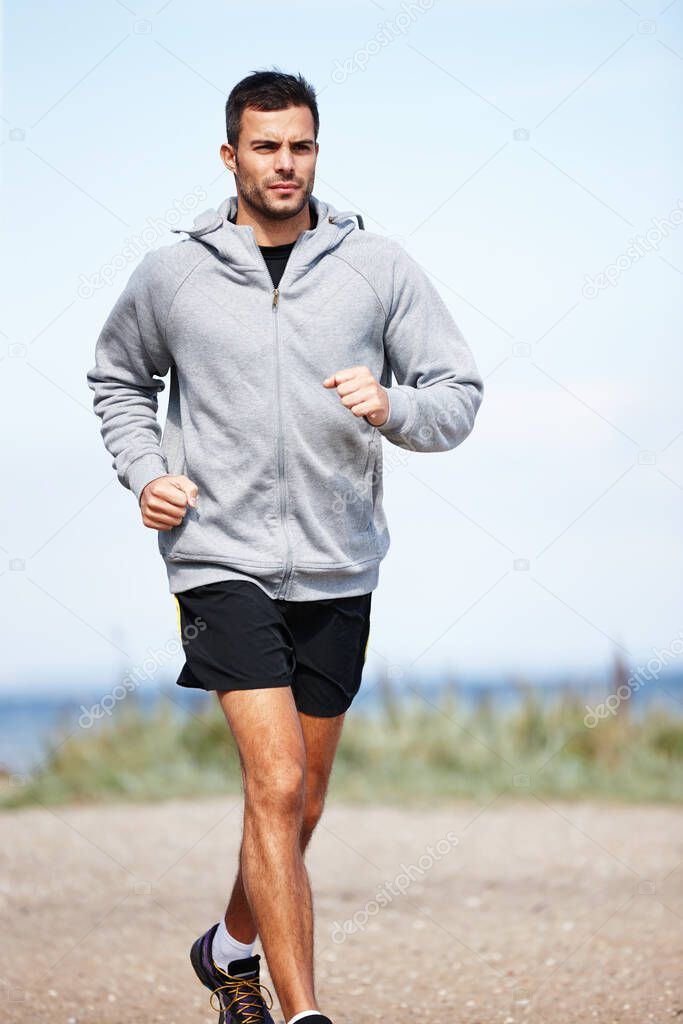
{"x": 374, "y": 478}
{"x": 333, "y": 517}
{"x": 369, "y": 471}
{"x": 353, "y": 495}
{"x": 235, "y": 521}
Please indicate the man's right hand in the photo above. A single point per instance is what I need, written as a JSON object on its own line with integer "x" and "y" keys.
{"x": 164, "y": 501}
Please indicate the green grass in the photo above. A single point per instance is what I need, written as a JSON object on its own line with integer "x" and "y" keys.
{"x": 408, "y": 751}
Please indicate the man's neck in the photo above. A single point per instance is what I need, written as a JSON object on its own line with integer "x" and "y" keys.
{"x": 269, "y": 231}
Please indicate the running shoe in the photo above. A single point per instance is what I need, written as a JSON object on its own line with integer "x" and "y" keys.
{"x": 237, "y": 991}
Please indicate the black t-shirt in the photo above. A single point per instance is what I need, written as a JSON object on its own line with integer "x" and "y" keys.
{"x": 276, "y": 256}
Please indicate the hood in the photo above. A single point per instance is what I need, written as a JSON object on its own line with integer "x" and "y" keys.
{"x": 237, "y": 244}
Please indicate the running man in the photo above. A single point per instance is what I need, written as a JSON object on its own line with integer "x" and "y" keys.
{"x": 282, "y": 321}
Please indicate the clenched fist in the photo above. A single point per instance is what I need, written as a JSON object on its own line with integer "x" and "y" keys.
{"x": 361, "y": 393}
{"x": 164, "y": 501}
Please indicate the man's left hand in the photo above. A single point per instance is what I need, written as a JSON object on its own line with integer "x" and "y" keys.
{"x": 361, "y": 393}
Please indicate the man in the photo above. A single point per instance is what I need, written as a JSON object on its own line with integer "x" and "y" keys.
{"x": 282, "y": 321}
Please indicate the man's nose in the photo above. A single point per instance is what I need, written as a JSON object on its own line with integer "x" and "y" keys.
{"x": 284, "y": 160}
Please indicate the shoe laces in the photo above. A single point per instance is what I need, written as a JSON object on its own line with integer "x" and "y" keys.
{"x": 241, "y": 989}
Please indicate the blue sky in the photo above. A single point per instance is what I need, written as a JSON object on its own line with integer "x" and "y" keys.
{"x": 516, "y": 151}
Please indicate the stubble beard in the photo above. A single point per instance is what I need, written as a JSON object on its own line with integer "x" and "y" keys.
{"x": 261, "y": 198}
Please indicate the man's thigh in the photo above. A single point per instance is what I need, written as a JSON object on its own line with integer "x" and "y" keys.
{"x": 272, "y": 737}
{"x": 321, "y": 738}
{"x": 266, "y": 727}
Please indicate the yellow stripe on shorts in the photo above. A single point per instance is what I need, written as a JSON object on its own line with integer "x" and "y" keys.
{"x": 177, "y": 606}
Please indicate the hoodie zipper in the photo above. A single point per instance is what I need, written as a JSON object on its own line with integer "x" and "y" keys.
{"x": 282, "y": 590}
{"x": 282, "y": 481}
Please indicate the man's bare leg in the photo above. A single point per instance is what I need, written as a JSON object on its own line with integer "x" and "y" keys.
{"x": 321, "y": 738}
{"x": 282, "y": 802}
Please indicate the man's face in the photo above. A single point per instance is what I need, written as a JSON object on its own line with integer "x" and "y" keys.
{"x": 275, "y": 147}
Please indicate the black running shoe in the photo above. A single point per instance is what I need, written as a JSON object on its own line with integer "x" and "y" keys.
{"x": 238, "y": 990}
{"x": 315, "y": 1018}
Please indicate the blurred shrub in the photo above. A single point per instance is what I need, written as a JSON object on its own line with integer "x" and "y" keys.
{"x": 408, "y": 749}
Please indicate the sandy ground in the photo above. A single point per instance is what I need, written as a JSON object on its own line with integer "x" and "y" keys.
{"x": 525, "y": 912}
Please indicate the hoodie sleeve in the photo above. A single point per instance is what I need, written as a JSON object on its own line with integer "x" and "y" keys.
{"x": 439, "y": 389}
{"x": 130, "y": 356}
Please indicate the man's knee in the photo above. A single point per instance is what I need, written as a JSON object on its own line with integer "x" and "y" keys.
{"x": 277, "y": 790}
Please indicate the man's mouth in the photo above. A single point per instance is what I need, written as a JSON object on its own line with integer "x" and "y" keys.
{"x": 285, "y": 186}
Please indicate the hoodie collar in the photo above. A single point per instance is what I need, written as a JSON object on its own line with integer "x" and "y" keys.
{"x": 237, "y": 244}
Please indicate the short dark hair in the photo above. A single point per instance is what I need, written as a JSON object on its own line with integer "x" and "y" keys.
{"x": 268, "y": 90}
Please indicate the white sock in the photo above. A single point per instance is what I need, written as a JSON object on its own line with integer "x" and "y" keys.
{"x": 224, "y": 948}
{"x": 304, "y": 1013}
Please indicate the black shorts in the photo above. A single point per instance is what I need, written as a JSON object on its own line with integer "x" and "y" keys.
{"x": 236, "y": 637}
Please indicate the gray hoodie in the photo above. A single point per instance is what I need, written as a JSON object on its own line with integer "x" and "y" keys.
{"x": 290, "y": 480}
